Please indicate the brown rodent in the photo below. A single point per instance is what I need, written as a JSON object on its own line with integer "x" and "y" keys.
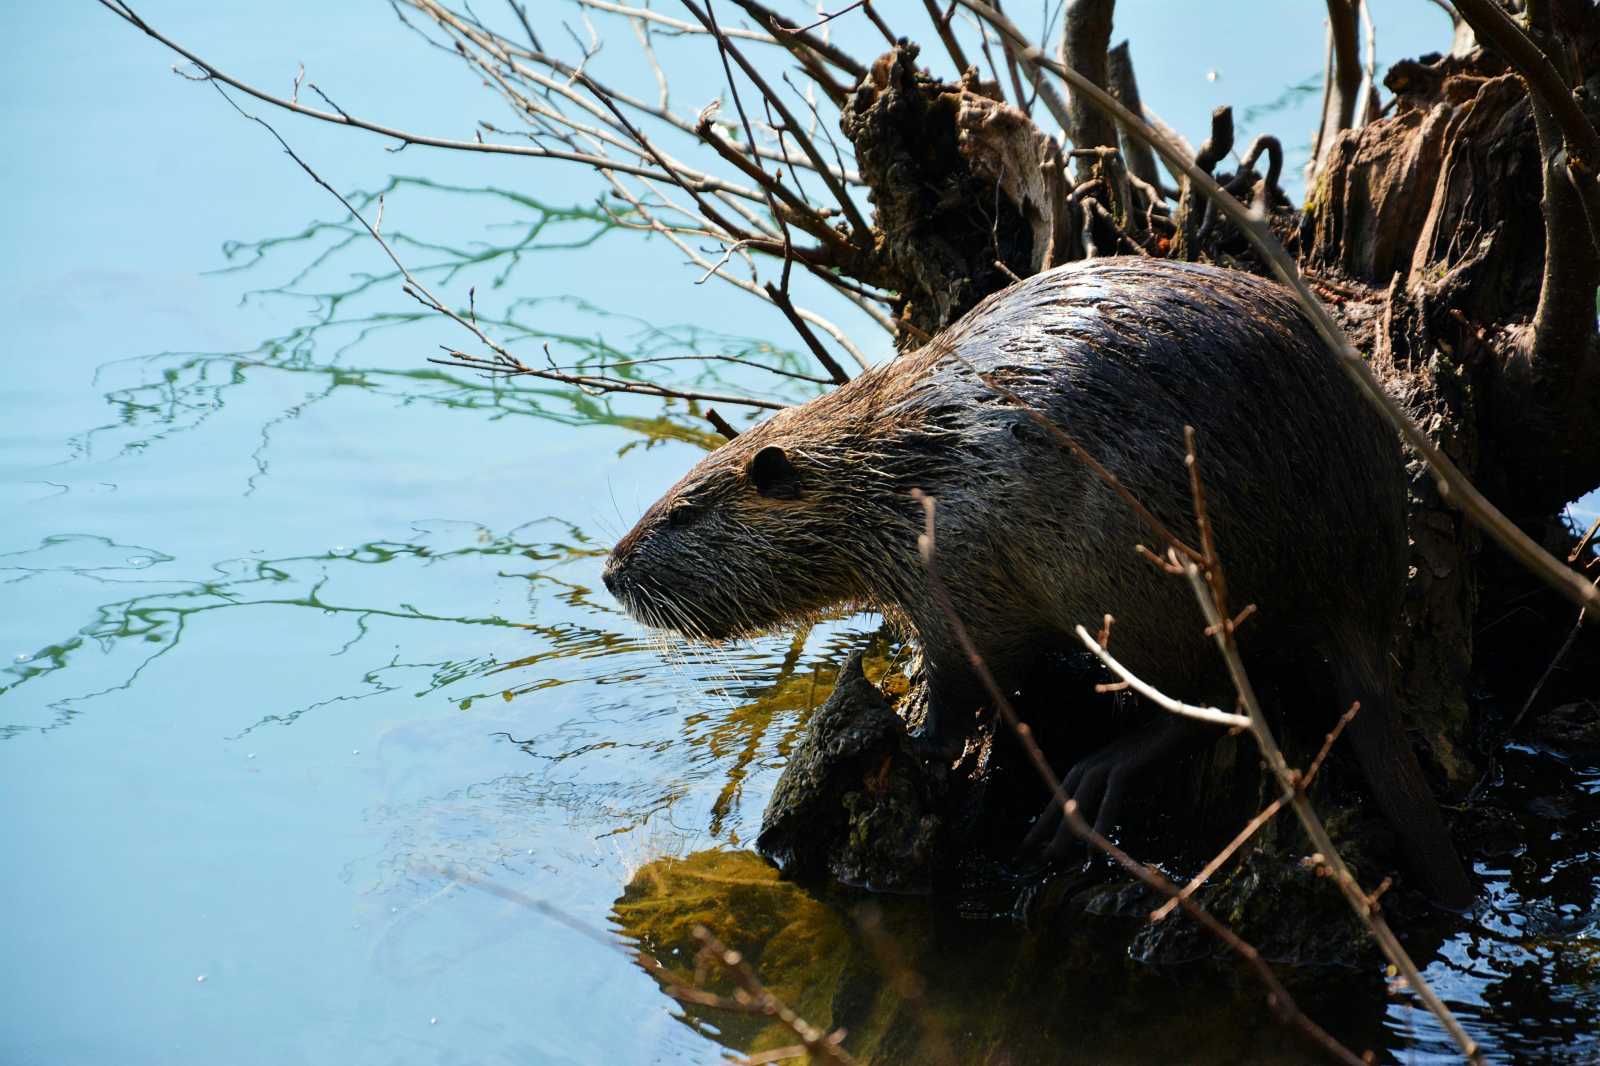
{"x": 1305, "y": 489}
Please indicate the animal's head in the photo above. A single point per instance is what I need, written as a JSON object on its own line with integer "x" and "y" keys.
{"x": 778, "y": 524}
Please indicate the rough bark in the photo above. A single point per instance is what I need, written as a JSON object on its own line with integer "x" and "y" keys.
{"x": 968, "y": 193}
{"x": 1122, "y": 83}
{"x": 1343, "y": 79}
{"x": 1085, "y": 46}
{"x": 1438, "y": 219}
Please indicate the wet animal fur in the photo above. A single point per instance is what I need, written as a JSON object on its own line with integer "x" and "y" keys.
{"x": 812, "y": 509}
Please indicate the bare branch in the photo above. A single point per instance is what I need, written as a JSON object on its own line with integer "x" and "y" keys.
{"x": 825, "y": 19}
{"x": 1210, "y": 590}
{"x": 1366, "y": 108}
{"x": 594, "y": 385}
{"x": 877, "y": 21}
{"x": 781, "y": 299}
{"x": 720, "y": 424}
{"x": 861, "y": 232}
{"x": 1192, "y": 203}
{"x": 1327, "y": 745}
{"x": 1155, "y": 696}
{"x": 785, "y": 31}
{"x": 675, "y": 25}
{"x": 503, "y": 362}
{"x": 1343, "y": 78}
{"x": 1120, "y": 80}
{"x": 655, "y": 224}
{"x": 1220, "y": 859}
{"x": 508, "y": 53}
{"x": 1085, "y": 43}
{"x": 1363, "y": 904}
{"x": 342, "y": 118}
{"x": 1569, "y": 148}
{"x": 941, "y": 27}
{"x": 1555, "y": 662}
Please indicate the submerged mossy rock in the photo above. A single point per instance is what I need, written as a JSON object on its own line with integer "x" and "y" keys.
{"x": 855, "y": 804}
{"x": 799, "y": 946}
{"x": 1289, "y": 913}
{"x": 1571, "y": 727}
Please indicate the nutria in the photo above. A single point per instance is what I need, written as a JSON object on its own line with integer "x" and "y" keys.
{"x": 1306, "y": 490}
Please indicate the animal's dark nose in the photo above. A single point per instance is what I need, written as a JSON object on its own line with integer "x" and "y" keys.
{"x": 609, "y": 576}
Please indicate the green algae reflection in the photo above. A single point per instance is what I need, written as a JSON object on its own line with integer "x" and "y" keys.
{"x": 347, "y": 309}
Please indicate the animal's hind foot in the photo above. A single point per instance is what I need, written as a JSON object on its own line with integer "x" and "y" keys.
{"x": 1099, "y": 785}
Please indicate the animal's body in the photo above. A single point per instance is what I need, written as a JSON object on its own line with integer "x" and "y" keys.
{"x": 1304, "y": 484}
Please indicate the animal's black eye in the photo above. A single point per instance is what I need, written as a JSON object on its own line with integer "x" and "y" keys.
{"x": 680, "y": 514}
{"x": 773, "y": 475}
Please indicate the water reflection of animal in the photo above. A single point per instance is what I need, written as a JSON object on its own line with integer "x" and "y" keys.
{"x": 1305, "y": 486}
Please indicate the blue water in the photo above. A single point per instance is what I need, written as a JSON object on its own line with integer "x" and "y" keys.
{"x": 294, "y": 621}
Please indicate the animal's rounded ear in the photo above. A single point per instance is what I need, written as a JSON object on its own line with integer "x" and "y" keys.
{"x": 773, "y": 475}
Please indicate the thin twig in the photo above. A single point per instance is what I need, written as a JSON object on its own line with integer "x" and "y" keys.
{"x": 1213, "y": 715}
{"x": 503, "y": 363}
{"x": 1265, "y": 816}
{"x": 1555, "y": 663}
{"x": 341, "y": 118}
{"x": 861, "y": 232}
{"x": 1221, "y": 858}
{"x": 831, "y": 365}
{"x": 823, "y": 21}
{"x": 1209, "y": 589}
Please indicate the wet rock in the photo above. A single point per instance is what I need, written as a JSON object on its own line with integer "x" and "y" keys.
{"x": 1492, "y": 832}
{"x": 855, "y": 804}
{"x": 1284, "y": 909}
{"x": 1572, "y": 728}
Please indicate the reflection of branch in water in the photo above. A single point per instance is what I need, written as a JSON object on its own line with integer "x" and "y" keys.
{"x": 188, "y": 389}
{"x": 159, "y": 618}
{"x": 454, "y": 259}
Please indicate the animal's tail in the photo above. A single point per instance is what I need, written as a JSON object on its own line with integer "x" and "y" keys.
{"x": 1397, "y": 783}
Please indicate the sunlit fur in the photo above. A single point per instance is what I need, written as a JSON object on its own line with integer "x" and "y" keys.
{"x": 1304, "y": 484}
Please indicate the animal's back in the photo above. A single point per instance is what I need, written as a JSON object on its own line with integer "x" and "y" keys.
{"x": 1304, "y": 487}
{"x": 1304, "y": 483}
